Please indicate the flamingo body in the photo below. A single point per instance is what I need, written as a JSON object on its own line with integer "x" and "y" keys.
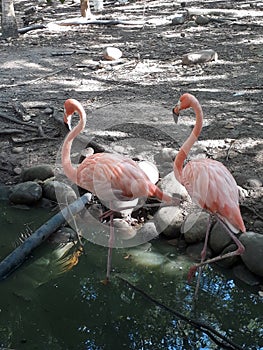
{"x": 213, "y": 188}
{"x": 111, "y": 177}
{"x": 209, "y": 184}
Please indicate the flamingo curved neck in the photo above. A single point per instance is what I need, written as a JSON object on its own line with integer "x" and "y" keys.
{"x": 69, "y": 170}
{"x": 186, "y": 147}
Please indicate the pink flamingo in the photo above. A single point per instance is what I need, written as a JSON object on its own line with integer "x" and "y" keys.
{"x": 209, "y": 184}
{"x": 111, "y": 177}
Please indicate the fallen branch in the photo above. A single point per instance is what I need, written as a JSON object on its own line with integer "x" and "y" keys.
{"x": 11, "y": 131}
{"x": 217, "y": 337}
{"x": 33, "y": 81}
{"x": 225, "y": 12}
{"x": 82, "y": 21}
{"x": 18, "y": 256}
{"x": 33, "y": 139}
{"x": 29, "y": 28}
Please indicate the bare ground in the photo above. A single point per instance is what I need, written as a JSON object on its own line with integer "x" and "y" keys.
{"x": 132, "y": 100}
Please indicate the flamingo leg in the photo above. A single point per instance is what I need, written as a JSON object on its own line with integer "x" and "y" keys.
{"x": 111, "y": 242}
{"x": 240, "y": 250}
{"x": 203, "y": 255}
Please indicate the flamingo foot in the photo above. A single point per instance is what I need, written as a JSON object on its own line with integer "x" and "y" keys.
{"x": 191, "y": 273}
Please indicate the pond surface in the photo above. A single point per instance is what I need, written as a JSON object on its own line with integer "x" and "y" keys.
{"x": 56, "y": 299}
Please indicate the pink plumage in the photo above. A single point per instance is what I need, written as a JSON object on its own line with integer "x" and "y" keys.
{"x": 209, "y": 184}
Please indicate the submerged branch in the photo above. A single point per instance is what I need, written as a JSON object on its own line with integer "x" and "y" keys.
{"x": 18, "y": 256}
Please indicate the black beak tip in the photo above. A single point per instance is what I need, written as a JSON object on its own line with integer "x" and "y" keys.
{"x": 175, "y": 116}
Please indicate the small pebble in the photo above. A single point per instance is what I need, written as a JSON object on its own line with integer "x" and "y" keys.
{"x": 112, "y": 53}
{"x": 18, "y": 150}
{"x": 17, "y": 170}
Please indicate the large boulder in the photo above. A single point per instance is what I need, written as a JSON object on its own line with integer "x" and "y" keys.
{"x": 253, "y": 255}
{"x": 194, "y": 227}
{"x": 28, "y": 192}
{"x": 38, "y": 172}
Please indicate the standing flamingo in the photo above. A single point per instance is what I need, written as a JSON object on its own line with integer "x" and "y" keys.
{"x": 209, "y": 184}
{"x": 111, "y": 177}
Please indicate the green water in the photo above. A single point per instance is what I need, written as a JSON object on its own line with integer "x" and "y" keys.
{"x": 44, "y": 307}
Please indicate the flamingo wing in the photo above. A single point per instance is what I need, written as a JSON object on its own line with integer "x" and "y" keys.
{"x": 112, "y": 175}
{"x": 213, "y": 188}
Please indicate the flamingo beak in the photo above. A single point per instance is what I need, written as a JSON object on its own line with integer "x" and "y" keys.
{"x": 176, "y": 111}
{"x": 67, "y": 121}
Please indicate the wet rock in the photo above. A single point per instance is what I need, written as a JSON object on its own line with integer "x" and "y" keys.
{"x": 194, "y": 251}
{"x": 201, "y": 56}
{"x": 194, "y": 227}
{"x": 28, "y": 193}
{"x": 112, "y": 53}
{"x": 59, "y": 192}
{"x": 4, "y": 192}
{"x": 219, "y": 239}
{"x": 63, "y": 235}
{"x": 244, "y": 275}
{"x": 252, "y": 257}
{"x": 39, "y": 172}
{"x": 168, "y": 221}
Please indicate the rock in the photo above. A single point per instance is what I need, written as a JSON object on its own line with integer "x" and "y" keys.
{"x": 98, "y": 5}
{"x": 178, "y": 19}
{"x": 229, "y": 262}
{"x": 150, "y": 170}
{"x": 18, "y": 149}
{"x": 201, "y": 56}
{"x": 63, "y": 235}
{"x": 254, "y": 183}
{"x": 194, "y": 251}
{"x": 48, "y": 111}
{"x": 17, "y": 170}
{"x": 38, "y": 172}
{"x": 28, "y": 193}
{"x": 171, "y": 186}
{"x": 194, "y": 227}
{"x": 4, "y": 192}
{"x": 59, "y": 192}
{"x": 252, "y": 257}
{"x": 202, "y": 20}
{"x": 219, "y": 239}
{"x": 112, "y": 53}
{"x": 168, "y": 221}
{"x": 244, "y": 275}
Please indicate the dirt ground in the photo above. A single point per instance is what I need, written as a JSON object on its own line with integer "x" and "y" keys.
{"x": 129, "y": 103}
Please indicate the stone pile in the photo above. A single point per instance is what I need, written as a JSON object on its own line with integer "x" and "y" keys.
{"x": 38, "y": 186}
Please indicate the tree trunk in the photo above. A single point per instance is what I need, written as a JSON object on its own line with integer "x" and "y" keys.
{"x": 9, "y": 25}
{"x": 85, "y": 8}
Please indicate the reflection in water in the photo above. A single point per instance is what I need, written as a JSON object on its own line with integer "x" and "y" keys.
{"x": 53, "y": 303}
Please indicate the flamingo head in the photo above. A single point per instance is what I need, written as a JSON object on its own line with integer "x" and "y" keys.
{"x": 69, "y": 109}
{"x": 183, "y": 103}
